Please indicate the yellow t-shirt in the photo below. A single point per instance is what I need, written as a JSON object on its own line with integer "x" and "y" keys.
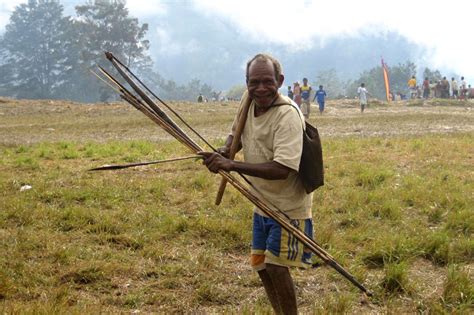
{"x": 277, "y": 135}
{"x": 412, "y": 83}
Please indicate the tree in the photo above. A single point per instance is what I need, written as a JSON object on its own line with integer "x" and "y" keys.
{"x": 34, "y": 50}
{"x": 331, "y": 82}
{"x": 399, "y": 76}
{"x": 189, "y": 92}
{"x": 432, "y": 75}
{"x": 373, "y": 79}
{"x": 105, "y": 25}
{"x": 236, "y": 91}
{"x": 194, "y": 88}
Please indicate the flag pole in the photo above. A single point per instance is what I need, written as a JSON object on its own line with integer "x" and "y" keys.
{"x": 386, "y": 80}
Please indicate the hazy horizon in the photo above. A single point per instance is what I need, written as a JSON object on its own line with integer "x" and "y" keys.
{"x": 429, "y": 36}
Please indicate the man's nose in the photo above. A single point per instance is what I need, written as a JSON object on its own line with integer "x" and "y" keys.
{"x": 261, "y": 86}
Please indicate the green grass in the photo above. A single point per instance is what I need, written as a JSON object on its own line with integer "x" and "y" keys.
{"x": 458, "y": 290}
{"x": 151, "y": 238}
{"x": 396, "y": 279}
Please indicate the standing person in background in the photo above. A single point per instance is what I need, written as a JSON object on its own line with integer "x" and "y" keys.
{"x": 438, "y": 89}
{"x": 463, "y": 88}
{"x": 426, "y": 88}
{"x": 444, "y": 88}
{"x": 432, "y": 89}
{"x": 320, "y": 95}
{"x": 297, "y": 94}
{"x": 363, "y": 93}
{"x": 290, "y": 92}
{"x": 454, "y": 88}
{"x": 305, "y": 95}
{"x": 412, "y": 87}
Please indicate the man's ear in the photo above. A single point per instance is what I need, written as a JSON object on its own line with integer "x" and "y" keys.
{"x": 280, "y": 80}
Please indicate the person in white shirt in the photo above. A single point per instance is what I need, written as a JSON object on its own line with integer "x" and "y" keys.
{"x": 363, "y": 93}
{"x": 454, "y": 88}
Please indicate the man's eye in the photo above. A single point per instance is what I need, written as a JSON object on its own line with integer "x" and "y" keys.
{"x": 264, "y": 82}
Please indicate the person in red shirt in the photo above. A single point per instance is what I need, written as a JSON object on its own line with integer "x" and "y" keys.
{"x": 426, "y": 88}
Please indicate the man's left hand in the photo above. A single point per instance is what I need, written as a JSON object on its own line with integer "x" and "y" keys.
{"x": 215, "y": 162}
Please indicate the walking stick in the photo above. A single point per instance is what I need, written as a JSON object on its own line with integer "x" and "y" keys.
{"x": 234, "y": 147}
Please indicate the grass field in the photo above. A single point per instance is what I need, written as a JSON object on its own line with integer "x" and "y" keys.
{"x": 396, "y": 211}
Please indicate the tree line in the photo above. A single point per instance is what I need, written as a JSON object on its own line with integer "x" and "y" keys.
{"x": 373, "y": 79}
{"x": 398, "y": 78}
{"x": 44, "y": 54}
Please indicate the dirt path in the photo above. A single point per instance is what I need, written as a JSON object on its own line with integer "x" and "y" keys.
{"x": 34, "y": 121}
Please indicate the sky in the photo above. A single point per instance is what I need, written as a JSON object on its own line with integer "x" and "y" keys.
{"x": 442, "y": 28}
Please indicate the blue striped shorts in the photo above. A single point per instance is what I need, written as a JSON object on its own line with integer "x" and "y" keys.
{"x": 273, "y": 244}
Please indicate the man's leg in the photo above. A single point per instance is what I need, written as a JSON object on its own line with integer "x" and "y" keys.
{"x": 257, "y": 259}
{"x": 276, "y": 277}
{"x": 270, "y": 290}
{"x": 284, "y": 288}
{"x": 304, "y": 110}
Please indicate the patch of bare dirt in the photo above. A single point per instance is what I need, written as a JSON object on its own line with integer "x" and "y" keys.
{"x": 34, "y": 121}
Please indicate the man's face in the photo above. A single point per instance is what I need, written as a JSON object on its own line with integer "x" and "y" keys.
{"x": 262, "y": 84}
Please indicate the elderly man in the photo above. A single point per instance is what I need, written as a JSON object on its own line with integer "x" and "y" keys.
{"x": 272, "y": 144}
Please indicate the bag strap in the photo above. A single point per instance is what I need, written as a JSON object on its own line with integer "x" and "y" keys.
{"x": 295, "y": 106}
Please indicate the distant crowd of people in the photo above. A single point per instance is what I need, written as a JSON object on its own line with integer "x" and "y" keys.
{"x": 301, "y": 95}
{"x": 203, "y": 99}
{"x": 439, "y": 89}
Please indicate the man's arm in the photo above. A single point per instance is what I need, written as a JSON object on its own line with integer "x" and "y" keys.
{"x": 268, "y": 170}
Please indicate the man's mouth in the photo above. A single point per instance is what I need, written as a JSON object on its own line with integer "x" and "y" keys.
{"x": 264, "y": 100}
{"x": 264, "y": 96}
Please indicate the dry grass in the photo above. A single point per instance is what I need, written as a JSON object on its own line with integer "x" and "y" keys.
{"x": 34, "y": 121}
{"x": 396, "y": 210}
